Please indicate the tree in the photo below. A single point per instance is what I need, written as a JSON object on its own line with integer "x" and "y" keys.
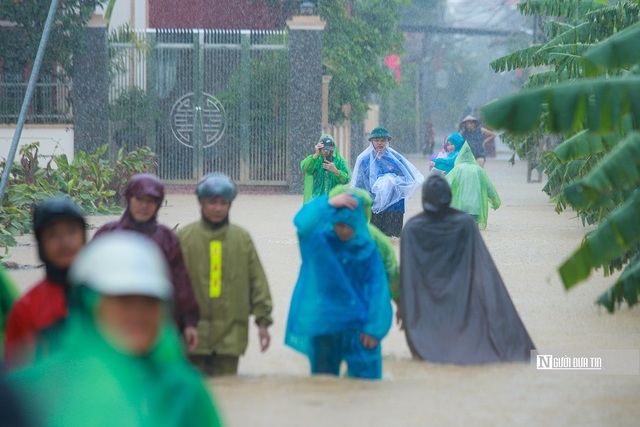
{"x": 18, "y": 44}
{"x": 358, "y": 36}
{"x": 589, "y": 94}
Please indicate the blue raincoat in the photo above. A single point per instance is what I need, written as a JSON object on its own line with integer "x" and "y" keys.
{"x": 341, "y": 292}
{"x": 445, "y": 164}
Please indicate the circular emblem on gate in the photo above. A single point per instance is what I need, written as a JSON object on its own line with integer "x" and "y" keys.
{"x": 183, "y": 119}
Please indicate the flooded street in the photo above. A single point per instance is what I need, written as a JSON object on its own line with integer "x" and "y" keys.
{"x": 527, "y": 240}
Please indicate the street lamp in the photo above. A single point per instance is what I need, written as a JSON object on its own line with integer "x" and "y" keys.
{"x": 306, "y": 8}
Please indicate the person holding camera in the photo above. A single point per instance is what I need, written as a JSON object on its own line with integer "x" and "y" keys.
{"x": 324, "y": 169}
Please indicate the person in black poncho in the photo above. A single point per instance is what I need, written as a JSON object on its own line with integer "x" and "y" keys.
{"x": 455, "y": 306}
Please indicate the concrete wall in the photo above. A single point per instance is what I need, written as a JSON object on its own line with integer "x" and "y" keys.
{"x": 54, "y": 139}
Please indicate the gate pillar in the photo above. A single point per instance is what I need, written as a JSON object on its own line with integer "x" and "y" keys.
{"x": 90, "y": 89}
{"x": 305, "y": 93}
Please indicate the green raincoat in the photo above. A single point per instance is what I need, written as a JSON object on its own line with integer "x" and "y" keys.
{"x": 8, "y": 295}
{"x": 91, "y": 383}
{"x": 317, "y": 180}
{"x": 385, "y": 248}
{"x": 243, "y": 289}
{"x": 472, "y": 190}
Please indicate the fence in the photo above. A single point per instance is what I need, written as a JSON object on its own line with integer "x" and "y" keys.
{"x": 204, "y": 100}
{"x": 51, "y": 102}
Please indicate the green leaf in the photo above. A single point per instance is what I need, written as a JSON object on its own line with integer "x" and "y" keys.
{"x": 622, "y": 50}
{"x": 599, "y": 102}
{"x": 580, "y": 146}
{"x": 609, "y": 241}
{"x": 619, "y": 170}
{"x": 626, "y": 288}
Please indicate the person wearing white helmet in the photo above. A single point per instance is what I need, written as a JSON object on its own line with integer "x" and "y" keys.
{"x": 121, "y": 361}
{"x": 227, "y": 278}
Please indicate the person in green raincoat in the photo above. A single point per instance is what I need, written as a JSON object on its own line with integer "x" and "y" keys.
{"x": 121, "y": 361}
{"x": 8, "y": 295}
{"x": 383, "y": 243}
{"x": 227, "y": 278}
{"x": 472, "y": 190}
{"x": 324, "y": 169}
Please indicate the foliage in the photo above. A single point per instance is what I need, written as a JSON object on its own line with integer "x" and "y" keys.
{"x": 18, "y": 45}
{"x": 94, "y": 182}
{"x": 354, "y": 45}
{"x": 591, "y": 97}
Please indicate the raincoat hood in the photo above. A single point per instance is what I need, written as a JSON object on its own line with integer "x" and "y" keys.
{"x": 46, "y": 213}
{"x": 139, "y": 186}
{"x": 361, "y": 194}
{"x": 466, "y": 156}
{"x": 457, "y": 140}
{"x": 145, "y": 184}
{"x": 436, "y": 194}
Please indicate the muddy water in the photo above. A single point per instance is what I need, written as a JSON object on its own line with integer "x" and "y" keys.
{"x": 527, "y": 239}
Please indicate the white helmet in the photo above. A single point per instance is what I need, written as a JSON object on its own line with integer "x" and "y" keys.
{"x": 122, "y": 263}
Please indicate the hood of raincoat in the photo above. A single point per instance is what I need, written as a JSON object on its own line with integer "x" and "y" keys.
{"x": 361, "y": 194}
{"x": 436, "y": 194}
{"x": 142, "y": 185}
{"x": 46, "y": 213}
{"x": 386, "y": 175}
{"x": 457, "y": 140}
{"x": 465, "y": 156}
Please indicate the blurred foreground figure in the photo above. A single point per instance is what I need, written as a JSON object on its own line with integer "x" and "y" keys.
{"x": 145, "y": 194}
{"x": 471, "y": 188}
{"x": 389, "y": 178}
{"x": 341, "y": 308}
{"x": 121, "y": 362}
{"x": 59, "y": 227}
{"x": 228, "y": 280}
{"x": 8, "y": 296}
{"x": 455, "y": 307}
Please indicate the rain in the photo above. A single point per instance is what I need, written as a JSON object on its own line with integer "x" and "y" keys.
{"x": 252, "y": 88}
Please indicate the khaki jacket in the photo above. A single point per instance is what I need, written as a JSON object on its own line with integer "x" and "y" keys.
{"x": 224, "y": 319}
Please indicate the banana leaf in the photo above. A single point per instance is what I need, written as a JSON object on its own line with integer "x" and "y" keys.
{"x": 626, "y": 288}
{"x": 613, "y": 237}
{"x": 621, "y": 50}
{"x": 619, "y": 170}
{"x": 570, "y": 9}
{"x": 600, "y": 102}
{"x": 524, "y": 58}
{"x": 584, "y": 144}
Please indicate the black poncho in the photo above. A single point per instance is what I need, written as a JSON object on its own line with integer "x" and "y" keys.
{"x": 454, "y": 304}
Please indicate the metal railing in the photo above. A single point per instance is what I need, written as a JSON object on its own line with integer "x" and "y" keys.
{"x": 51, "y": 102}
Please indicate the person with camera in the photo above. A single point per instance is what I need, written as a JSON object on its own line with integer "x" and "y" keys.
{"x": 324, "y": 169}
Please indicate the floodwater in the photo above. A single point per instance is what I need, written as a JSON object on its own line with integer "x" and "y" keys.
{"x": 528, "y": 241}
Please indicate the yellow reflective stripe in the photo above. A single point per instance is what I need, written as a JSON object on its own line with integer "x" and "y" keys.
{"x": 215, "y": 273}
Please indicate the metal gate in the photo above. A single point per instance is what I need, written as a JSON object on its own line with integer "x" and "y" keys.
{"x": 203, "y": 100}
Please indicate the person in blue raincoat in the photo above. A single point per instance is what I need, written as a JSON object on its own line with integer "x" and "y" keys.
{"x": 341, "y": 305}
{"x": 445, "y": 164}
